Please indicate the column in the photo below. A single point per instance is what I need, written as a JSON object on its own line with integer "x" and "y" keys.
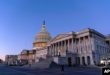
{"x": 51, "y": 50}
{"x": 86, "y": 50}
{"x": 75, "y": 45}
{"x": 72, "y": 45}
{"x": 61, "y": 47}
{"x": 90, "y": 45}
{"x": 68, "y": 45}
{"x": 54, "y": 48}
{"x": 65, "y": 46}
{"x": 84, "y": 45}
{"x": 58, "y": 48}
{"x": 78, "y": 45}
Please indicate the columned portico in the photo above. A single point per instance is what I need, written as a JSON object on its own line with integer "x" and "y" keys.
{"x": 80, "y": 45}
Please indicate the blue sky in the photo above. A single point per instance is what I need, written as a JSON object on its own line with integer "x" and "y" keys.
{"x": 20, "y": 20}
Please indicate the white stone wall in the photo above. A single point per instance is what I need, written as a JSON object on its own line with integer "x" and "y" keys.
{"x": 86, "y": 44}
{"x": 41, "y": 53}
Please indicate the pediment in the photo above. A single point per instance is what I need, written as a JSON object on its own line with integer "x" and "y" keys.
{"x": 60, "y": 36}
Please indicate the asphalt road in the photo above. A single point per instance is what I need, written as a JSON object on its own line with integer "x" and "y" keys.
{"x": 4, "y": 70}
{"x": 10, "y": 71}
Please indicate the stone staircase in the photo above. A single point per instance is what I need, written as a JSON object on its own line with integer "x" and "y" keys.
{"x": 45, "y": 63}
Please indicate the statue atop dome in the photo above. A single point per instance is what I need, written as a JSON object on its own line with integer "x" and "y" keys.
{"x": 43, "y": 27}
{"x": 44, "y": 22}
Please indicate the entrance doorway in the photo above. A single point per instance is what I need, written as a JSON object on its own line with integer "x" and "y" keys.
{"x": 77, "y": 60}
{"x": 88, "y": 60}
{"x": 83, "y": 60}
{"x": 69, "y": 61}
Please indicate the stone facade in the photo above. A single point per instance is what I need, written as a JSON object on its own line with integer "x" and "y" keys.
{"x": 86, "y": 47}
{"x": 23, "y": 57}
{"x": 82, "y": 48}
{"x": 31, "y": 57}
{"x": 39, "y": 50}
{"x": 105, "y": 58}
{"x": 27, "y": 56}
{"x": 11, "y": 59}
{"x": 40, "y": 43}
{"x": 40, "y": 54}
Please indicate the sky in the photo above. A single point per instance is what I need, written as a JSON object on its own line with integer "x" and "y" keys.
{"x": 21, "y": 20}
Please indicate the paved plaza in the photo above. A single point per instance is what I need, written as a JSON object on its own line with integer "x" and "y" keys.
{"x": 6, "y": 70}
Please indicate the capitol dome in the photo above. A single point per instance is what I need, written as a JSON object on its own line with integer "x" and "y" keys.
{"x": 42, "y": 37}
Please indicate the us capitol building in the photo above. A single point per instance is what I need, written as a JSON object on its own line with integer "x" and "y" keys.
{"x": 86, "y": 47}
